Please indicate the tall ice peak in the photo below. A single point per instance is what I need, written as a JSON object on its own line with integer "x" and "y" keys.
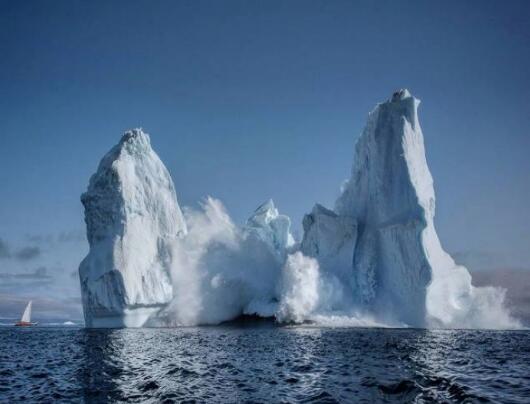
{"x": 401, "y": 95}
{"x": 133, "y": 219}
{"x": 394, "y": 264}
{"x": 135, "y": 138}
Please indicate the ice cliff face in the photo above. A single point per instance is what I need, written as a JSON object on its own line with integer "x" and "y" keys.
{"x": 330, "y": 238}
{"x": 132, "y": 217}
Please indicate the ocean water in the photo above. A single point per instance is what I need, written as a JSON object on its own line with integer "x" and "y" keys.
{"x": 263, "y": 363}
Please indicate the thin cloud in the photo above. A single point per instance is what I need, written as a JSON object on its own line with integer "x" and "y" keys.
{"x": 28, "y": 253}
{"x": 23, "y": 254}
{"x": 41, "y": 273}
{"x": 36, "y": 282}
{"x": 4, "y": 249}
{"x": 70, "y": 236}
{"x": 40, "y": 238}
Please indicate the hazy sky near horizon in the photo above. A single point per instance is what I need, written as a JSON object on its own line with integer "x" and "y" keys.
{"x": 251, "y": 100}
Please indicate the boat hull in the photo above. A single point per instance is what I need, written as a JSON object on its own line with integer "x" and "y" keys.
{"x": 24, "y": 324}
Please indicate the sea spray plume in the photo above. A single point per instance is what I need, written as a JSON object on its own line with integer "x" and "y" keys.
{"x": 208, "y": 226}
{"x": 221, "y": 271}
{"x": 299, "y": 289}
{"x": 132, "y": 218}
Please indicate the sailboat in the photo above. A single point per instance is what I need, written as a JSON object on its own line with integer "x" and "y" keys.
{"x": 25, "y": 321}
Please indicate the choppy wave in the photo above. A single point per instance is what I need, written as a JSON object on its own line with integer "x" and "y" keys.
{"x": 264, "y": 364}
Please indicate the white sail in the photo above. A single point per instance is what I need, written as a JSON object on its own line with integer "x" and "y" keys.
{"x": 26, "y": 317}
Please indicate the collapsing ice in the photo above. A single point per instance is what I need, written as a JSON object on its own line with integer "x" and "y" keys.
{"x": 375, "y": 259}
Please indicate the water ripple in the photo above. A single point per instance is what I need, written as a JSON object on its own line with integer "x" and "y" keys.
{"x": 263, "y": 364}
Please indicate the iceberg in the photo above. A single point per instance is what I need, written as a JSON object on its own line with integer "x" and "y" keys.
{"x": 380, "y": 240}
{"x": 374, "y": 259}
{"x": 132, "y": 218}
{"x": 391, "y": 199}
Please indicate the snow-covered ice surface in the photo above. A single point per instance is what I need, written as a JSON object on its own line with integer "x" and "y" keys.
{"x": 374, "y": 260}
{"x": 132, "y": 218}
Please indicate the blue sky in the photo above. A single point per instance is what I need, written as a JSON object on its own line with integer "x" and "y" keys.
{"x": 248, "y": 100}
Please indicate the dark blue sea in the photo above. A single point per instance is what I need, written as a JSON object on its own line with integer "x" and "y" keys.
{"x": 263, "y": 363}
